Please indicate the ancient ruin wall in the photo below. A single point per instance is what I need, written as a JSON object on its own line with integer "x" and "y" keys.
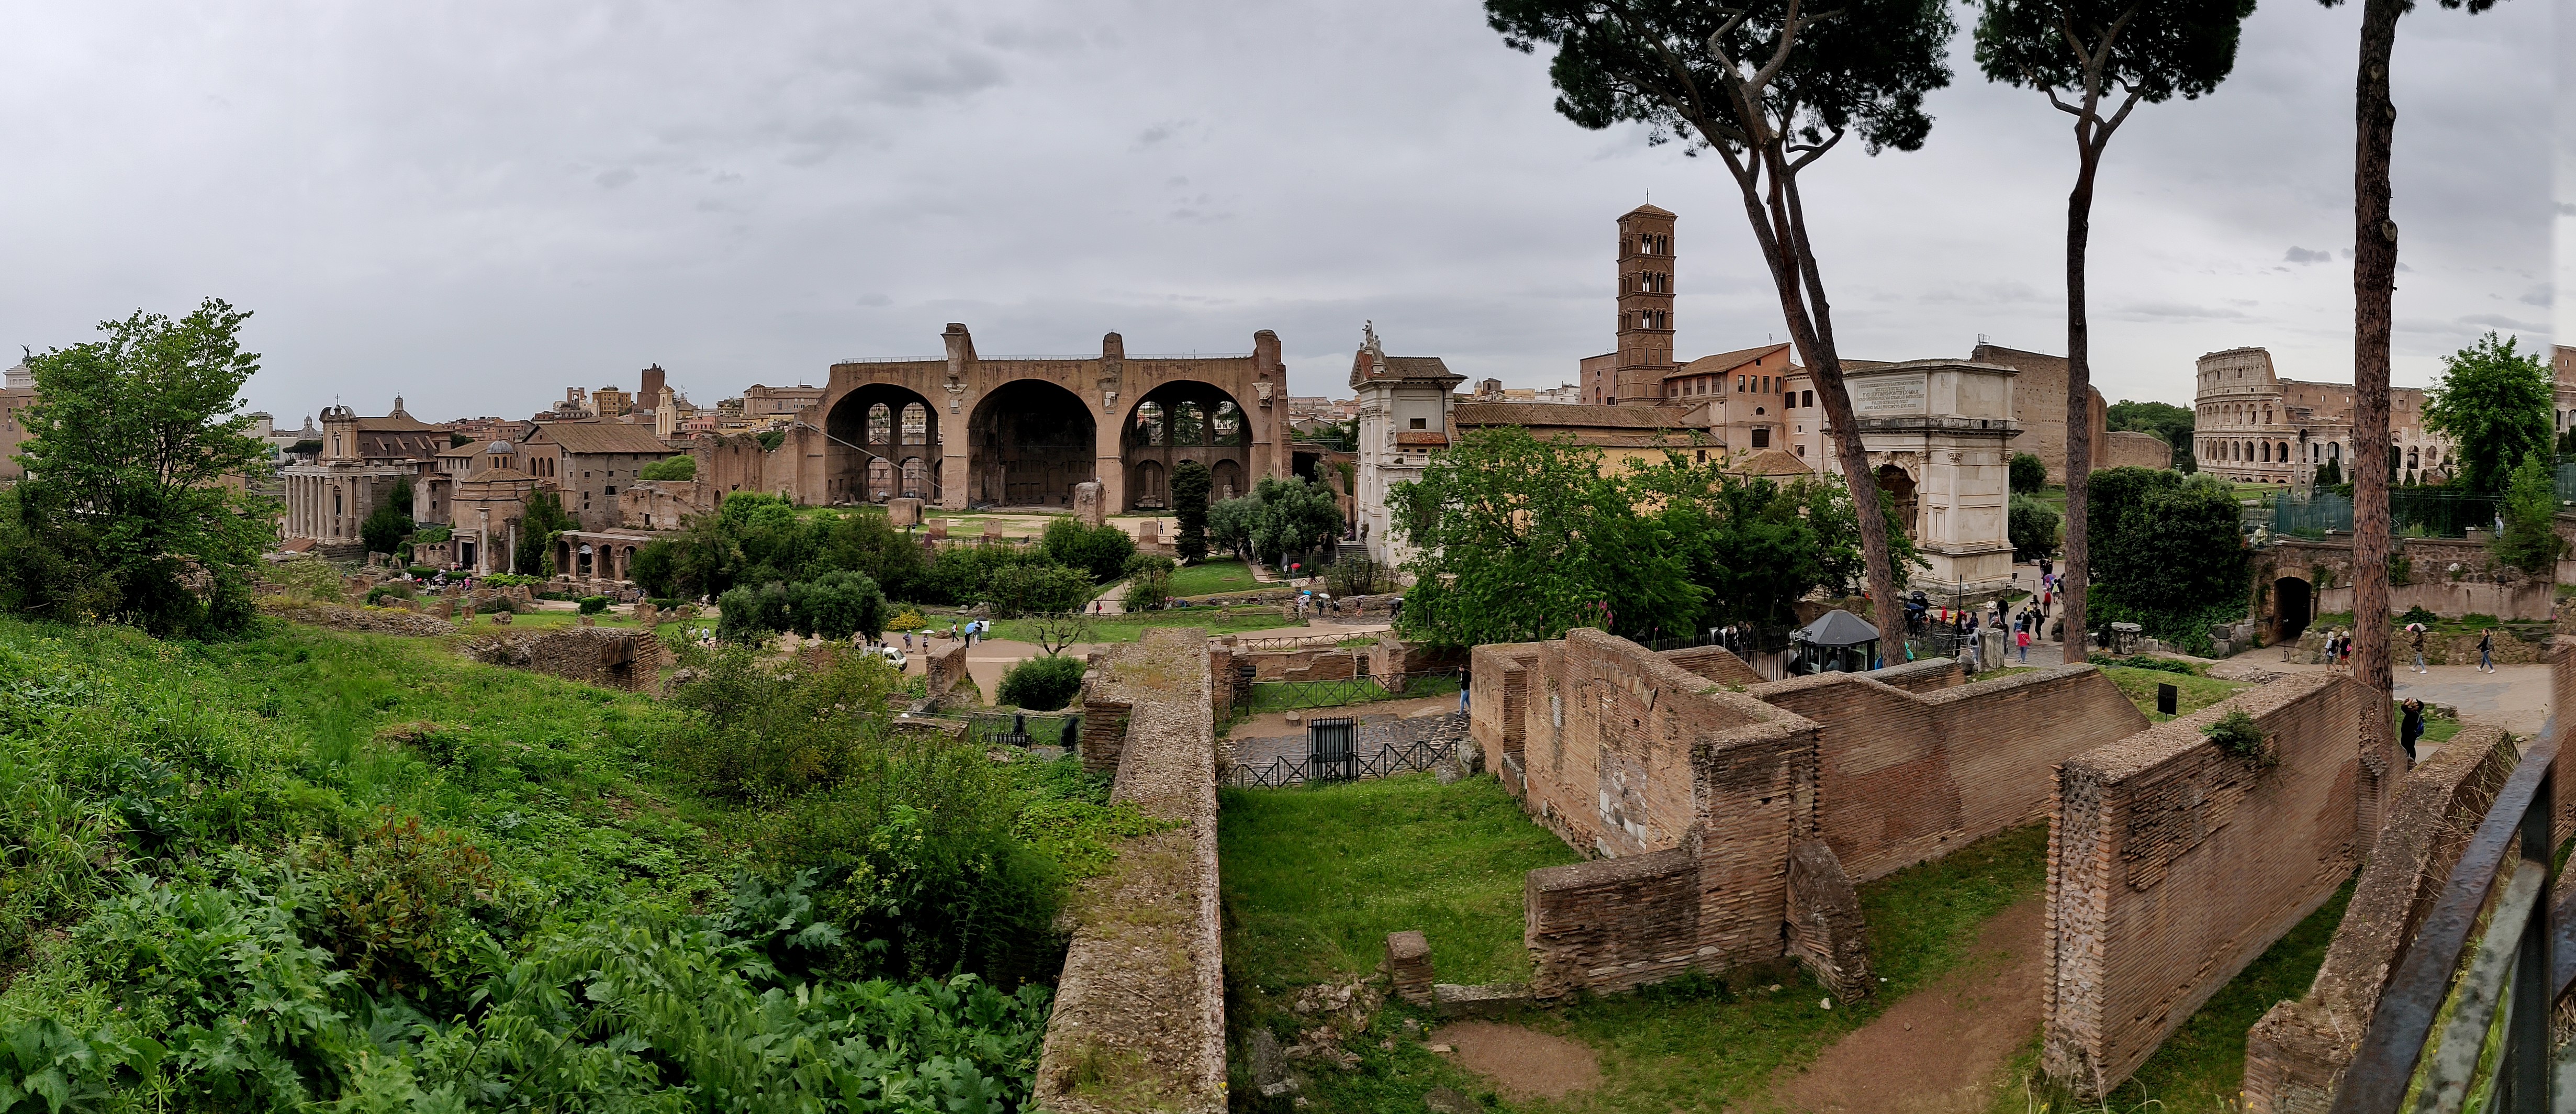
{"x": 609, "y": 657}
{"x": 2173, "y": 864}
{"x": 1714, "y": 663}
{"x": 1905, "y": 777}
{"x": 1139, "y": 1020}
{"x": 2125, "y": 448}
{"x": 1926, "y": 675}
{"x": 1498, "y": 698}
{"x": 1612, "y": 924}
{"x": 2297, "y": 1053}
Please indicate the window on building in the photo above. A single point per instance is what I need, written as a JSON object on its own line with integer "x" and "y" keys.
{"x": 1806, "y": 398}
{"x": 1761, "y": 434}
{"x": 1425, "y": 423}
{"x": 1802, "y": 450}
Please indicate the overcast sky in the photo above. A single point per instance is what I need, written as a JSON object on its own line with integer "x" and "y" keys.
{"x": 475, "y": 205}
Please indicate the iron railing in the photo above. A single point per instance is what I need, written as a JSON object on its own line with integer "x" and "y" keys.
{"x": 2523, "y": 962}
{"x": 1024, "y": 729}
{"x": 1281, "y": 696}
{"x": 2431, "y": 512}
{"x": 1391, "y": 758}
{"x": 1302, "y": 641}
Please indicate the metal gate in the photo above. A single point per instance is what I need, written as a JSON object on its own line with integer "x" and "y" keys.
{"x": 1328, "y": 749}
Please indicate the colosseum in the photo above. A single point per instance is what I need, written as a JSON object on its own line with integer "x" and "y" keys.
{"x": 2254, "y": 426}
{"x": 965, "y": 430}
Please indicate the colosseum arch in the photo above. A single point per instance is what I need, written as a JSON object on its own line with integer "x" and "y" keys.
{"x": 826, "y": 456}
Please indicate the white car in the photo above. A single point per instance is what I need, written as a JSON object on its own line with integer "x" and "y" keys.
{"x": 892, "y": 655}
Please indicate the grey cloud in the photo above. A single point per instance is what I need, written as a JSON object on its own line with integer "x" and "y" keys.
{"x": 2500, "y": 321}
{"x": 2302, "y": 255}
{"x": 2538, "y": 296}
{"x": 612, "y": 179}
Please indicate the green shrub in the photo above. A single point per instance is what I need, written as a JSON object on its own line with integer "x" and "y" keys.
{"x": 404, "y": 904}
{"x": 680, "y": 467}
{"x": 593, "y": 605}
{"x": 2029, "y": 474}
{"x": 2033, "y": 526}
{"x": 309, "y": 578}
{"x": 1099, "y": 550}
{"x": 2417, "y": 614}
{"x": 757, "y": 733}
{"x": 1036, "y": 589}
{"x": 748, "y": 614}
{"x": 391, "y": 589}
{"x": 838, "y": 605}
{"x": 2238, "y": 735}
{"x": 1042, "y": 684}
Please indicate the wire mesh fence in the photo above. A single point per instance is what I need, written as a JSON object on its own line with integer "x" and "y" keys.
{"x": 2423, "y": 512}
{"x": 1350, "y": 765}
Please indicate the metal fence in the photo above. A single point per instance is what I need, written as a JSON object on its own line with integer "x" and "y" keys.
{"x": 2427, "y": 512}
{"x": 1392, "y": 758}
{"x": 1025, "y": 729}
{"x": 1300, "y": 642}
{"x": 1281, "y": 696}
{"x": 2492, "y": 1049}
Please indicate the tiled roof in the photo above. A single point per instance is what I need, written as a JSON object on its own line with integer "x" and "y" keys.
{"x": 601, "y": 437}
{"x": 1559, "y": 415}
{"x": 1422, "y": 438}
{"x": 1771, "y": 462}
{"x": 1729, "y": 361}
{"x": 1429, "y": 369}
{"x": 394, "y": 423}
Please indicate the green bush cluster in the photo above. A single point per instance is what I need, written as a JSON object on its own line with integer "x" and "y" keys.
{"x": 1102, "y": 551}
{"x": 1042, "y": 684}
{"x": 834, "y": 605}
{"x": 593, "y": 605}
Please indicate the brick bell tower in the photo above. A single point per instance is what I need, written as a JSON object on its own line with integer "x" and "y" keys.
{"x": 1645, "y": 305}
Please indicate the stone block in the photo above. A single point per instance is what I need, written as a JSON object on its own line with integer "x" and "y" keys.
{"x": 1483, "y": 1000}
{"x": 1149, "y": 532}
{"x": 501, "y": 617}
{"x": 590, "y": 620}
{"x": 903, "y": 512}
{"x": 992, "y": 532}
{"x": 1088, "y": 507}
{"x": 1825, "y": 929}
{"x": 1408, "y": 964}
{"x": 647, "y": 615}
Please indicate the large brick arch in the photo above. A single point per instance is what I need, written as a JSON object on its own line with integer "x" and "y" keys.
{"x": 815, "y": 466}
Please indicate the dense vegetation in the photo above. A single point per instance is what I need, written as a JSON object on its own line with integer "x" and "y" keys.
{"x": 1518, "y": 539}
{"x": 302, "y": 869}
{"x": 2164, "y": 419}
{"x": 2168, "y": 554}
{"x": 1279, "y": 518}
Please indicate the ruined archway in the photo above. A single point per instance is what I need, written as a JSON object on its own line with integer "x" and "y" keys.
{"x": 1179, "y": 421}
{"x": 2293, "y": 608}
{"x": 1030, "y": 441}
{"x": 872, "y": 431}
{"x": 1899, "y": 487}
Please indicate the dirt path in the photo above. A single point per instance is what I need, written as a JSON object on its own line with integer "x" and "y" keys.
{"x": 1938, "y": 1051}
{"x": 1523, "y": 1063}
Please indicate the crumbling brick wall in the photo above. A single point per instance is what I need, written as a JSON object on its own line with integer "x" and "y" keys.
{"x": 609, "y": 657}
{"x": 1714, "y": 663}
{"x": 1498, "y": 698}
{"x": 1298, "y": 664}
{"x": 2296, "y": 1055}
{"x": 375, "y": 620}
{"x": 944, "y": 667}
{"x": 1612, "y": 924}
{"x": 1905, "y": 777}
{"x": 1924, "y": 675}
{"x": 2173, "y": 864}
{"x": 1128, "y": 1035}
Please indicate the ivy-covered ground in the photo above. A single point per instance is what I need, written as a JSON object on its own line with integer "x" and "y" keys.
{"x": 310, "y": 869}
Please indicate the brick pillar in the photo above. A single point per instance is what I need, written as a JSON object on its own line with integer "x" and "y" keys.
{"x": 1408, "y": 962}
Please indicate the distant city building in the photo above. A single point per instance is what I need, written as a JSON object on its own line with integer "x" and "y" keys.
{"x": 17, "y": 392}
{"x": 766, "y": 402}
{"x": 362, "y": 461}
{"x": 1404, "y": 409}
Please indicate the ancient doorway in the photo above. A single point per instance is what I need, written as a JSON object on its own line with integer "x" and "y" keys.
{"x": 1150, "y": 491}
{"x": 1031, "y": 442}
{"x": 2293, "y": 608}
{"x": 1225, "y": 480}
{"x": 1899, "y": 489}
{"x": 869, "y": 433}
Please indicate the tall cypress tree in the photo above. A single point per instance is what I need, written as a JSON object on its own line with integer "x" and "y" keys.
{"x": 1190, "y": 485}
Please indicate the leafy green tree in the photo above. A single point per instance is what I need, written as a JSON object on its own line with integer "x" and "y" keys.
{"x": 1149, "y": 582}
{"x": 2029, "y": 474}
{"x": 748, "y": 613}
{"x": 1770, "y": 87}
{"x": 1101, "y": 551}
{"x": 680, "y": 467}
{"x": 1292, "y": 517}
{"x": 1041, "y": 684}
{"x": 2096, "y": 52}
{"x": 2530, "y": 540}
{"x": 2495, "y": 404}
{"x": 839, "y": 604}
{"x": 2033, "y": 527}
{"x": 2172, "y": 552}
{"x": 2329, "y": 474}
{"x": 128, "y": 512}
{"x": 2175, "y": 424}
{"x": 1230, "y": 524}
{"x": 865, "y": 541}
{"x": 1517, "y": 539}
{"x": 770, "y": 439}
{"x": 1035, "y": 589}
{"x": 544, "y": 519}
{"x": 385, "y": 527}
{"x": 1190, "y": 485}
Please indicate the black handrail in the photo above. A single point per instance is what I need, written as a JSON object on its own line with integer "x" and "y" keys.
{"x": 2385, "y": 1062}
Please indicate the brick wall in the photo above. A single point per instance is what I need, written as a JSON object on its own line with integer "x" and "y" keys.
{"x": 1612, "y": 924}
{"x": 1926, "y": 675}
{"x": 2297, "y": 1053}
{"x": 1128, "y": 1035}
{"x": 605, "y": 656}
{"x": 1498, "y": 697}
{"x": 1714, "y": 663}
{"x": 2129, "y": 448}
{"x": 1904, "y": 777}
{"x": 2173, "y": 864}
{"x": 944, "y": 667}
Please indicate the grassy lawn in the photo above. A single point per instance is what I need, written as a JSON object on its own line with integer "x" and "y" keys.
{"x": 551, "y": 619}
{"x": 1315, "y": 878}
{"x": 1129, "y": 628}
{"x": 1213, "y": 576}
{"x": 2196, "y": 692}
{"x": 1280, "y": 696}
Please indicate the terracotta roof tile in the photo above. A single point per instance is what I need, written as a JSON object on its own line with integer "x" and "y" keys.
{"x": 600, "y": 437}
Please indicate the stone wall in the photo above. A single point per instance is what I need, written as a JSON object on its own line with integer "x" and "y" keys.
{"x": 2530, "y": 599}
{"x": 1612, "y": 924}
{"x": 1904, "y": 777}
{"x": 2173, "y": 864}
{"x": 944, "y": 667}
{"x": 1498, "y": 698}
{"x": 1139, "y": 1017}
{"x": 1716, "y": 664}
{"x": 1312, "y": 663}
{"x": 2126, "y": 448}
{"x": 2297, "y": 1053}
{"x": 609, "y": 657}
{"x": 374, "y": 620}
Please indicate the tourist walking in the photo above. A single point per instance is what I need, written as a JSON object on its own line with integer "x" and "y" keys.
{"x": 2416, "y": 631}
{"x": 2023, "y": 638}
{"x": 2410, "y": 727}
{"x": 2486, "y": 651}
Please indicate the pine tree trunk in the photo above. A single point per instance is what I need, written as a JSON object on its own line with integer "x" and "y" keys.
{"x": 2374, "y": 288}
{"x": 2079, "y": 401}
